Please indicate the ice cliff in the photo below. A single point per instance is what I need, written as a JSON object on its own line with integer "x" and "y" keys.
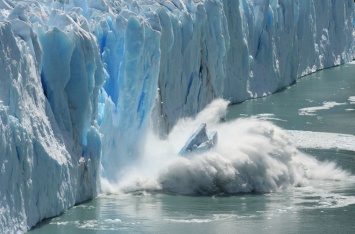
{"x": 81, "y": 79}
{"x": 50, "y": 147}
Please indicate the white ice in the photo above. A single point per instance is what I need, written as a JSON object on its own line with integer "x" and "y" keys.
{"x": 312, "y": 110}
{"x": 336, "y": 141}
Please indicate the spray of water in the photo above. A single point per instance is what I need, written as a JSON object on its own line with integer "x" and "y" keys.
{"x": 251, "y": 156}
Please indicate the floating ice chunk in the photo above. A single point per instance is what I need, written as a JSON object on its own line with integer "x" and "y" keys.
{"x": 352, "y": 100}
{"x": 312, "y": 110}
{"x": 307, "y": 139}
{"x": 200, "y": 140}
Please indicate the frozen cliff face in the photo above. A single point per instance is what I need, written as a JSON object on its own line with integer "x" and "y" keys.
{"x": 232, "y": 49}
{"x": 275, "y": 42}
{"x": 50, "y": 148}
{"x": 81, "y": 78}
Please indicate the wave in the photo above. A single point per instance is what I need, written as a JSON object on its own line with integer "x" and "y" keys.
{"x": 252, "y": 155}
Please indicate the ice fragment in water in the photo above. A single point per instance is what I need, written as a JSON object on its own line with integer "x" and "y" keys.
{"x": 200, "y": 140}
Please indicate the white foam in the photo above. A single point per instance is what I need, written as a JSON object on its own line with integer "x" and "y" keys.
{"x": 189, "y": 220}
{"x": 312, "y": 110}
{"x": 92, "y": 224}
{"x": 322, "y": 198}
{"x": 214, "y": 218}
{"x": 267, "y": 116}
{"x": 251, "y": 155}
{"x": 352, "y": 100}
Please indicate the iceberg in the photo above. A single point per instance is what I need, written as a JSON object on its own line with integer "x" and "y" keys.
{"x": 82, "y": 81}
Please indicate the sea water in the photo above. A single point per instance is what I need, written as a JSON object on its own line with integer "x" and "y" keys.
{"x": 317, "y": 112}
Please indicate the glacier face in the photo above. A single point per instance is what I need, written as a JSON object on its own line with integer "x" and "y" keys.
{"x": 50, "y": 147}
{"x": 85, "y": 78}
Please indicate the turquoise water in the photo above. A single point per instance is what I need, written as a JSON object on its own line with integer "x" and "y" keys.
{"x": 321, "y": 102}
{"x": 326, "y": 86}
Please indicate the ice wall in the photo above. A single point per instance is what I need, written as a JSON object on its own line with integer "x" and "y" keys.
{"x": 50, "y": 147}
{"x": 284, "y": 40}
{"x": 254, "y": 47}
{"x": 156, "y": 61}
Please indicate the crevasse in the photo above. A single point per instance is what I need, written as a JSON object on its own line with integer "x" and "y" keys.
{"x": 81, "y": 81}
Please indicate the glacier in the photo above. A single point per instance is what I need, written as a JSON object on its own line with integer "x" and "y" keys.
{"x": 82, "y": 81}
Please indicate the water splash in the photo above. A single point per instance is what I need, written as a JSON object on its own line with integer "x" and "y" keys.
{"x": 252, "y": 155}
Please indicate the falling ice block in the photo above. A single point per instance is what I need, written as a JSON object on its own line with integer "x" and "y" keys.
{"x": 200, "y": 141}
